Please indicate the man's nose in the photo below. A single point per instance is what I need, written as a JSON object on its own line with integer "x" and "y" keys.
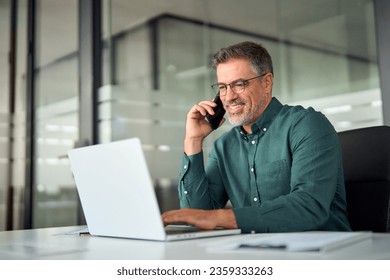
{"x": 230, "y": 94}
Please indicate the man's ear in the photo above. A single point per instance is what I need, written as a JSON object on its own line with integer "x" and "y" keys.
{"x": 268, "y": 79}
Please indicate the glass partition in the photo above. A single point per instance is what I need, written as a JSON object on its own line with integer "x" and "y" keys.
{"x": 5, "y": 116}
{"x": 55, "y": 199}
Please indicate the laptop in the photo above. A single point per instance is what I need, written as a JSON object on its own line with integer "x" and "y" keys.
{"x": 118, "y": 197}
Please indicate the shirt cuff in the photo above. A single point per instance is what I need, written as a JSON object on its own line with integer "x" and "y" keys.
{"x": 247, "y": 221}
{"x": 192, "y": 165}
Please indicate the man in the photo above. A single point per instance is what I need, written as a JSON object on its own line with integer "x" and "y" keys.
{"x": 280, "y": 166}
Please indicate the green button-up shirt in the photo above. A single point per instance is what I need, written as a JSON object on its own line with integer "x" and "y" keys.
{"x": 285, "y": 176}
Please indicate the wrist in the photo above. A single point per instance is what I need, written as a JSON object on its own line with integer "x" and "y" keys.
{"x": 225, "y": 218}
{"x": 193, "y": 146}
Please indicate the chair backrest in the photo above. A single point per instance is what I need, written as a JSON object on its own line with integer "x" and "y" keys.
{"x": 366, "y": 162}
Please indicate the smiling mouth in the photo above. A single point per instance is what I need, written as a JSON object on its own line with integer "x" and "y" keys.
{"x": 235, "y": 107}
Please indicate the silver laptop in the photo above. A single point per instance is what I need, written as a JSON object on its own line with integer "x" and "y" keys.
{"x": 118, "y": 197}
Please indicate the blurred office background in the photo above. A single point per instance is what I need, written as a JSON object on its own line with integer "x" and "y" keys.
{"x": 81, "y": 72}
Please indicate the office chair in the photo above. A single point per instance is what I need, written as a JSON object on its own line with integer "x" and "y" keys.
{"x": 366, "y": 161}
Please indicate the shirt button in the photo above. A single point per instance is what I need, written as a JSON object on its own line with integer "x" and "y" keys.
{"x": 253, "y": 142}
{"x": 185, "y": 166}
{"x": 255, "y": 199}
{"x": 264, "y": 129}
{"x": 185, "y": 192}
{"x": 252, "y": 169}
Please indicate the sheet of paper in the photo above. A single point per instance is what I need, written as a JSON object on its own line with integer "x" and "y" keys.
{"x": 306, "y": 241}
{"x": 312, "y": 241}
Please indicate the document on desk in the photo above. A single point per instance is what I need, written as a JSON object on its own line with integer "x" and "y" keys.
{"x": 297, "y": 241}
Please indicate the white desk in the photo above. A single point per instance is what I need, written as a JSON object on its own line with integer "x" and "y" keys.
{"x": 50, "y": 243}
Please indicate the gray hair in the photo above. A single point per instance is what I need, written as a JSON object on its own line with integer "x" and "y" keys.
{"x": 258, "y": 56}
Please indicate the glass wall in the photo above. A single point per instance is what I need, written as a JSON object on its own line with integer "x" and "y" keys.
{"x": 56, "y": 112}
{"x": 19, "y": 129}
{"x": 5, "y": 117}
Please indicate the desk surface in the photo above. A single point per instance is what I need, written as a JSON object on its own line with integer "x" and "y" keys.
{"x": 53, "y": 243}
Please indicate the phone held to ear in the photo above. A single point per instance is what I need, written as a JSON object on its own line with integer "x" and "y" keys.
{"x": 219, "y": 111}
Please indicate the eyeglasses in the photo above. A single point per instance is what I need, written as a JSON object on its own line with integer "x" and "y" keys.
{"x": 236, "y": 86}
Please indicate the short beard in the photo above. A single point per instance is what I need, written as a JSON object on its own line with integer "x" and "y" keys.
{"x": 246, "y": 119}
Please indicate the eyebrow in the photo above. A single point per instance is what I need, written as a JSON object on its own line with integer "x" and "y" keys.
{"x": 234, "y": 81}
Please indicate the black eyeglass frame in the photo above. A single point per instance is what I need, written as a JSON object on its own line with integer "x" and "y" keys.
{"x": 217, "y": 90}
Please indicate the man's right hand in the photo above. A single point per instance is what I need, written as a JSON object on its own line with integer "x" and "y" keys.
{"x": 203, "y": 219}
{"x": 197, "y": 128}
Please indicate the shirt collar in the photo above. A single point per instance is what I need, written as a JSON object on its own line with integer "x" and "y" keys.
{"x": 269, "y": 114}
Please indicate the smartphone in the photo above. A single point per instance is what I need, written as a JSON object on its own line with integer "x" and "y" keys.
{"x": 215, "y": 120}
